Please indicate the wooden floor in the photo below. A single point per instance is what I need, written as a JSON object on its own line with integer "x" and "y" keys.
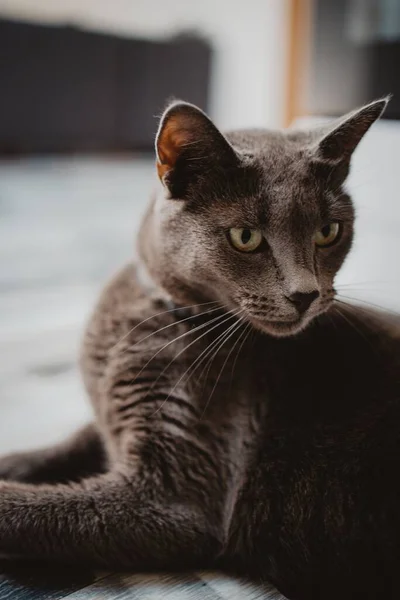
{"x": 65, "y": 226}
{"x": 38, "y": 582}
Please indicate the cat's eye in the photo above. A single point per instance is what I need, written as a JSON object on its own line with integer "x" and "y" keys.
{"x": 327, "y": 235}
{"x": 245, "y": 239}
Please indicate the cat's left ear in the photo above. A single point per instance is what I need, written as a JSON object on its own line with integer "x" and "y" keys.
{"x": 188, "y": 145}
{"x": 338, "y": 142}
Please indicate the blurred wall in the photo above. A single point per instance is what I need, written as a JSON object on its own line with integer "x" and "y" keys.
{"x": 250, "y": 38}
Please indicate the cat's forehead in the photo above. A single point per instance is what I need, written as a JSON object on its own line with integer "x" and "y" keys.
{"x": 273, "y": 147}
{"x": 278, "y": 180}
{"x": 280, "y": 160}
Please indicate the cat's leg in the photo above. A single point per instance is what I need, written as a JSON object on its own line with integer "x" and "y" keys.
{"x": 80, "y": 456}
{"x": 109, "y": 520}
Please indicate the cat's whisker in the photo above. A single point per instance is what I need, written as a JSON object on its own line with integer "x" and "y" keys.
{"x": 206, "y": 312}
{"x": 332, "y": 320}
{"x": 199, "y": 327}
{"x": 338, "y": 286}
{"x": 372, "y": 304}
{"x": 164, "y": 312}
{"x": 214, "y": 353}
{"x": 210, "y": 355}
{"x": 206, "y": 354}
{"x": 232, "y": 315}
{"x": 246, "y": 333}
{"x": 355, "y": 309}
{"x": 353, "y": 326}
{"x": 367, "y": 290}
{"x": 352, "y": 306}
{"x": 223, "y": 365}
{"x": 247, "y": 326}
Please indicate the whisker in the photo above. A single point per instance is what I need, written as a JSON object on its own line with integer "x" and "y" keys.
{"x": 353, "y": 326}
{"x": 355, "y": 309}
{"x": 211, "y": 355}
{"x": 372, "y": 304}
{"x": 246, "y": 333}
{"x": 331, "y": 319}
{"x": 236, "y": 342}
{"x": 205, "y": 312}
{"x": 231, "y": 316}
{"x": 199, "y": 327}
{"x": 363, "y": 283}
{"x": 164, "y": 312}
{"x": 223, "y": 366}
{"x": 207, "y": 352}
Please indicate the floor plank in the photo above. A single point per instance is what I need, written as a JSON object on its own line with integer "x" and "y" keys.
{"x": 148, "y": 587}
{"x": 40, "y": 581}
{"x": 229, "y": 588}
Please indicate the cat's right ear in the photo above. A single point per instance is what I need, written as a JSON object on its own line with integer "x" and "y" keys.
{"x": 337, "y": 143}
{"x": 187, "y": 145}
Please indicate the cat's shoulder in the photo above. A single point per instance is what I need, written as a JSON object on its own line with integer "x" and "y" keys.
{"x": 125, "y": 284}
{"x": 130, "y": 292}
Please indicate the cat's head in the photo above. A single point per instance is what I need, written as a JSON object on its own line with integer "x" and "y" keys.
{"x": 256, "y": 220}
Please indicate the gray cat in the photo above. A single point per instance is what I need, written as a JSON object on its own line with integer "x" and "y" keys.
{"x": 244, "y": 418}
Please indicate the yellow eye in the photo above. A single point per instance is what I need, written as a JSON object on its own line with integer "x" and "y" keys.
{"x": 245, "y": 239}
{"x": 327, "y": 235}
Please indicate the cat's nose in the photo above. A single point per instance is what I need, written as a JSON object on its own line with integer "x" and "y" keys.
{"x": 303, "y": 300}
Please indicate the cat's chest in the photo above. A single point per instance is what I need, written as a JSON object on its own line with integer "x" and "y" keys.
{"x": 232, "y": 403}
{"x": 226, "y": 384}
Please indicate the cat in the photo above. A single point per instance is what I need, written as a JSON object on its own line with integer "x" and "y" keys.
{"x": 245, "y": 419}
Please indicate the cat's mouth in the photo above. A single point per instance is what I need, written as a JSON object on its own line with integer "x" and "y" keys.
{"x": 284, "y": 325}
{"x": 280, "y": 328}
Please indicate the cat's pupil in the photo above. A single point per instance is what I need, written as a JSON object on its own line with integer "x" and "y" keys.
{"x": 326, "y": 230}
{"x": 246, "y": 236}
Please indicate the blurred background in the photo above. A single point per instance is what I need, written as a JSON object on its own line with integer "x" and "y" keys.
{"x": 81, "y": 85}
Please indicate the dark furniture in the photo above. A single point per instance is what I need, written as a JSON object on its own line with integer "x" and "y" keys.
{"x": 66, "y": 89}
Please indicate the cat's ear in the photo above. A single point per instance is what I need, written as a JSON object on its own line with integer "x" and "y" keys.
{"x": 339, "y": 140}
{"x": 187, "y": 145}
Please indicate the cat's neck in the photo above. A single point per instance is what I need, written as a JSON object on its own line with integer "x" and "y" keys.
{"x": 152, "y": 289}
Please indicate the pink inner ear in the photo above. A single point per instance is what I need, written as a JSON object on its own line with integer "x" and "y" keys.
{"x": 172, "y": 139}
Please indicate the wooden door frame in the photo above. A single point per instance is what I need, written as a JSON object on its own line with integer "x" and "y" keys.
{"x": 298, "y": 68}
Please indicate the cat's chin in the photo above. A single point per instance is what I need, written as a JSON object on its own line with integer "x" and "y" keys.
{"x": 281, "y": 328}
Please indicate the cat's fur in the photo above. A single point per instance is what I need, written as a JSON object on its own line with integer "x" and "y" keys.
{"x": 279, "y": 455}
